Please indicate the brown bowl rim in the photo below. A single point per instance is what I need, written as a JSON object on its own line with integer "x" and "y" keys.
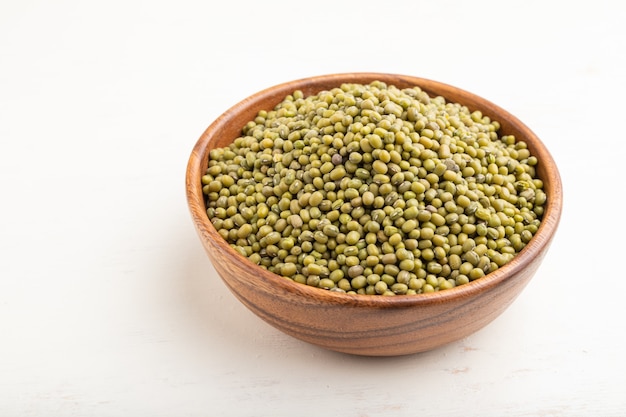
{"x": 535, "y": 247}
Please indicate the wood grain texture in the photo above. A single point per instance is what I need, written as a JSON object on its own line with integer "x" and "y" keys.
{"x": 370, "y": 325}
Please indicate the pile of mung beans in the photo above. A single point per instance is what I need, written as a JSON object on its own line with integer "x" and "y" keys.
{"x": 372, "y": 189}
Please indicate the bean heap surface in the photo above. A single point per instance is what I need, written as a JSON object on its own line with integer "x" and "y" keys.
{"x": 376, "y": 190}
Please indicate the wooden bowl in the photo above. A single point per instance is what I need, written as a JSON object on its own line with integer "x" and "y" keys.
{"x": 360, "y": 324}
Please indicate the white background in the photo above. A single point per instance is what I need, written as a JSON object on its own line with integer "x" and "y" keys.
{"x": 108, "y": 304}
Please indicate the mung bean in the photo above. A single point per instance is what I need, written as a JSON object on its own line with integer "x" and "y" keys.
{"x": 372, "y": 189}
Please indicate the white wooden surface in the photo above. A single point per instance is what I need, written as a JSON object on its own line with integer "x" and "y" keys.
{"x": 109, "y": 307}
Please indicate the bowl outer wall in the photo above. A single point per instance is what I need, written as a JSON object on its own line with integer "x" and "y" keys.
{"x": 369, "y": 325}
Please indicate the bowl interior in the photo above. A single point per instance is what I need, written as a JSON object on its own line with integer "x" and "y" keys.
{"x": 228, "y": 126}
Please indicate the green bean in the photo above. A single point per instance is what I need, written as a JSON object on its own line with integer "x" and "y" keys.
{"x": 371, "y": 189}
